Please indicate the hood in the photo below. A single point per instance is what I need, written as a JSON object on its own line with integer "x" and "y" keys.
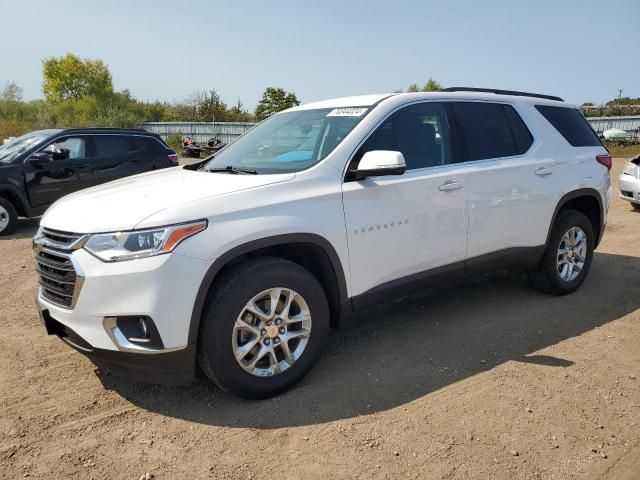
{"x": 122, "y": 204}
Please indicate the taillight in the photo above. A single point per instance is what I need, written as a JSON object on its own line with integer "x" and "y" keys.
{"x": 605, "y": 160}
{"x": 173, "y": 158}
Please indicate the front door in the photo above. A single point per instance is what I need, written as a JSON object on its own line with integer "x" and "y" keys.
{"x": 404, "y": 230}
{"x": 65, "y": 174}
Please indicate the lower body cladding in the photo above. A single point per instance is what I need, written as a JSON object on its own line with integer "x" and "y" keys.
{"x": 629, "y": 189}
{"x": 131, "y": 317}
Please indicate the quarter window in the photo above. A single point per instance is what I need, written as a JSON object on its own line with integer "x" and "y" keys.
{"x": 419, "y": 131}
{"x": 571, "y": 124}
{"x": 490, "y": 130}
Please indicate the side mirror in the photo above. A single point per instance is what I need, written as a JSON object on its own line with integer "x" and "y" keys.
{"x": 40, "y": 158}
{"x": 378, "y": 163}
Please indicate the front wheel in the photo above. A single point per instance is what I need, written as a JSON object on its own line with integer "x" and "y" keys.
{"x": 568, "y": 255}
{"x": 264, "y": 327}
{"x": 636, "y": 206}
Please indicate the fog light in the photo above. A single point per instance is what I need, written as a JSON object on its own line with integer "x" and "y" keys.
{"x": 134, "y": 332}
{"x": 144, "y": 328}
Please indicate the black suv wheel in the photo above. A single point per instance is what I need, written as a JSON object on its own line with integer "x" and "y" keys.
{"x": 264, "y": 327}
{"x": 8, "y": 217}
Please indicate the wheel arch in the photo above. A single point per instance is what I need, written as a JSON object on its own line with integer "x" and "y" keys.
{"x": 587, "y": 201}
{"x": 312, "y": 251}
{"x": 10, "y": 193}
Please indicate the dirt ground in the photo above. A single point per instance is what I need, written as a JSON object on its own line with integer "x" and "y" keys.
{"x": 487, "y": 380}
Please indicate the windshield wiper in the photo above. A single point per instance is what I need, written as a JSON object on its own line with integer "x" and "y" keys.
{"x": 234, "y": 170}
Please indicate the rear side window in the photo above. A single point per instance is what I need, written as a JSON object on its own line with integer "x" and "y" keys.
{"x": 571, "y": 124}
{"x": 139, "y": 144}
{"x": 111, "y": 145}
{"x": 490, "y": 130}
{"x": 154, "y": 145}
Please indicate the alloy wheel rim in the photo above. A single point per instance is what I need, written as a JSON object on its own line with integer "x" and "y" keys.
{"x": 4, "y": 218}
{"x": 572, "y": 254}
{"x": 271, "y": 332}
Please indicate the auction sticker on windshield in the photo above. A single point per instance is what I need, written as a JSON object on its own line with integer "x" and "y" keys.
{"x": 347, "y": 112}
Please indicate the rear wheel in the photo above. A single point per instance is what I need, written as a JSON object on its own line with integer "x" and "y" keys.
{"x": 8, "y": 217}
{"x": 568, "y": 255}
{"x": 636, "y": 206}
{"x": 264, "y": 327}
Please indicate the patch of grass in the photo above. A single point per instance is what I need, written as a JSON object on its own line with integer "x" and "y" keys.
{"x": 622, "y": 150}
{"x": 174, "y": 140}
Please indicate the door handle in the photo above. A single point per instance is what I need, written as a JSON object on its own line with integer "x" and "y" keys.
{"x": 83, "y": 165}
{"x": 450, "y": 185}
{"x": 541, "y": 172}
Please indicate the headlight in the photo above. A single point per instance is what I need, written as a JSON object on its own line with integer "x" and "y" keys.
{"x": 120, "y": 246}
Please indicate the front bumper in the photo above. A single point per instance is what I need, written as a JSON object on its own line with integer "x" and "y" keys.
{"x": 177, "y": 367}
{"x": 629, "y": 187}
{"x": 162, "y": 288}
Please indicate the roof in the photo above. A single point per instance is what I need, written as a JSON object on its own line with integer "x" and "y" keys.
{"x": 356, "y": 101}
{"x": 370, "y": 100}
{"x": 136, "y": 131}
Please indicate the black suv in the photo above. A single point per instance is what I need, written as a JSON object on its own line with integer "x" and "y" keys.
{"x": 38, "y": 168}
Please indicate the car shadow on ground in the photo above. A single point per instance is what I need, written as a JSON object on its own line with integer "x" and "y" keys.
{"x": 411, "y": 348}
{"x": 25, "y": 228}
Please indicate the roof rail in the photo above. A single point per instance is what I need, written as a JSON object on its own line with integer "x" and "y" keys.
{"x": 501, "y": 92}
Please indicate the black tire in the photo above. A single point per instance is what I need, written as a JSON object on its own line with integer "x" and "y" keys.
{"x": 636, "y": 206}
{"x": 547, "y": 278}
{"x": 226, "y": 301}
{"x": 12, "y": 215}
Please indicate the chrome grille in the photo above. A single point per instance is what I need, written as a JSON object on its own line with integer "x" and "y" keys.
{"x": 59, "y": 239}
{"x": 59, "y": 276}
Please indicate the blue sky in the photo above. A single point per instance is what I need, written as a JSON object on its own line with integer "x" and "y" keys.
{"x": 580, "y": 50}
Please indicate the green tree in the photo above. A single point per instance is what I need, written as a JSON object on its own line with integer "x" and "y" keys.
{"x": 210, "y": 106}
{"x": 11, "y": 92}
{"x": 624, "y": 101}
{"x": 238, "y": 113}
{"x": 71, "y": 78}
{"x": 275, "y": 100}
{"x": 431, "y": 86}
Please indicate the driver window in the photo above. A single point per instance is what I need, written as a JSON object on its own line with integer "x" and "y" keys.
{"x": 419, "y": 131}
{"x": 76, "y": 147}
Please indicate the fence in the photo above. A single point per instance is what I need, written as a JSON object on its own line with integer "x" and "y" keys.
{"x": 228, "y": 131}
{"x": 199, "y": 131}
{"x": 630, "y": 124}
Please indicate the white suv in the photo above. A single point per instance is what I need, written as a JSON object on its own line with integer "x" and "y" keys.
{"x": 240, "y": 264}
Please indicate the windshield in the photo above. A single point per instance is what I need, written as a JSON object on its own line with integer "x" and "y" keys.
{"x": 10, "y": 151}
{"x": 289, "y": 141}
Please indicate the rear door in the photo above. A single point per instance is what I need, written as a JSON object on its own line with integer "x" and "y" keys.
{"x": 150, "y": 153}
{"x": 113, "y": 156}
{"x": 46, "y": 183}
{"x": 511, "y": 193}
